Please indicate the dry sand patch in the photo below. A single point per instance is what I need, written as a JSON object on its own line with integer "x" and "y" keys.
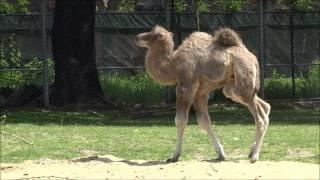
{"x": 110, "y": 167}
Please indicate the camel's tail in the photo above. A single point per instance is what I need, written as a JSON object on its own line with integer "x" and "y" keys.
{"x": 227, "y": 37}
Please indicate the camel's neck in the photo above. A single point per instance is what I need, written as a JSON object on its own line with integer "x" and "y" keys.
{"x": 158, "y": 64}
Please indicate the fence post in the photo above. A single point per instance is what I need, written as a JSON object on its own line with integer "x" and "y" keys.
{"x": 44, "y": 53}
{"x": 168, "y": 5}
{"x": 261, "y": 46}
{"x": 292, "y": 57}
{"x": 197, "y": 15}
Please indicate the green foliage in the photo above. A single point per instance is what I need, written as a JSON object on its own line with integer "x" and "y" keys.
{"x": 300, "y": 4}
{"x": 180, "y": 5}
{"x": 313, "y": 83}
{"x": 10, "y": 55}
{"x": 11, "y": 79}
{"x": 132, "y": 89}
{"x": 36, "y": 77}
{"x": 19, "y": 6}
{"x": 202, "y": 6}
{"x": 22, "y": 6}
{"x": 6, "y": 7}
{"x": 127, "y": 6}
{"x": 230, "y": 5}
{"x": 11, "y": 58}
{"x": 280, "y": 87}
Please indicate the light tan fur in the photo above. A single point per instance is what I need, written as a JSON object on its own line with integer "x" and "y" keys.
{"x": 199, "y": 65}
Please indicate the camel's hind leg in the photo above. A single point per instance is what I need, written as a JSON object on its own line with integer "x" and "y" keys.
{"x": 259, "y": 109}
{"x": 260, "y": 113}
{"x": 185, "y": 95}
{"x": 203, "y": 118}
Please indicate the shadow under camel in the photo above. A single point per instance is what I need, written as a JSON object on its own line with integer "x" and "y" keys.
{"x": 112, "y": 159}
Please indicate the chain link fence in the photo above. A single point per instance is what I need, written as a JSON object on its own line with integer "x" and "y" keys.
{"x": 286, "y": 42}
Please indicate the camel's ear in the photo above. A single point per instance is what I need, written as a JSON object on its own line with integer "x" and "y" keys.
{"x": 160, "y": 36}
{"x": 171, "y": 34}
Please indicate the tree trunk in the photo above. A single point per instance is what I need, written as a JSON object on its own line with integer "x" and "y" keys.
{"x": 76, "y": 75}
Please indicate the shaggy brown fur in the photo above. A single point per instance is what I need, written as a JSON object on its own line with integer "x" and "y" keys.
{"x": 199, "y": 65}
{"x": 227, "y": 37}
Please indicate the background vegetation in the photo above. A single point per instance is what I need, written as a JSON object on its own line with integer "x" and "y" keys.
{"x": 23, "y": 6}
{"x": 279, "y": 86}
{"x": 10, "y": 63}
{"x": 132, "y": 88}
{"x": 139, "y": 88}
{"x": 18, "y": 6}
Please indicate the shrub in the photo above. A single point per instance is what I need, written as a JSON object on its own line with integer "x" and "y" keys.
{"x": 132, "y": 89}
{"x": 302, "y": 4}
{"x": 126, "y": 6}
{"x": 230, "y": 5}
{"x": 19, "y": 6}
{"x": 313, "y": 83}
{"x": 299, "y": 4}
{"x": 180, "y": 5}
{"x": 10, "y": 58}
{"x": 202, "y": 6}
{"x": 280, "y": 87}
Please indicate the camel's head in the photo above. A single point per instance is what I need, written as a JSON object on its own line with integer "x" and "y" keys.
{"x": 157, "y": 36}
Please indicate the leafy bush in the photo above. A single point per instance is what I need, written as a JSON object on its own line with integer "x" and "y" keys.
{"x": 127, "y": 6}
{"x": 10, "y": 58}
{"x": 132, "y": 88}
{"x": 302, "y": 4}
{"x": 313, "y": 83}
{"x": 19, "y": 6}
{"x": 202, "y": 6}
{"x": 36, "y": 77}
{"x": 206, "y": 5}
{"x": 141, "y": 89}
{"x": 280, "y": 87}
{"x": 230, "y": 5}
{"x": 180, "y": 5}
{"x": 299, "y": 4}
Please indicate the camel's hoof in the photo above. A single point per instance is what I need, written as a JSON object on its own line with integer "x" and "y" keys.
{"x": 220, "y": 158}
{"x": 172, "y": 160}
{"x": 253, "y": 159}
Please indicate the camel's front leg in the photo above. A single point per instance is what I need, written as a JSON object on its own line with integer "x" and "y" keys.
{"x": 203, "y": 118}
{"x": 185, "y": 95}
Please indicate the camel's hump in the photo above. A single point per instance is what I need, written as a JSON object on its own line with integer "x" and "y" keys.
{"x": 227, "y": 37}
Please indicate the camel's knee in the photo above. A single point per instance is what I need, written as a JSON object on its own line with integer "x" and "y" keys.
{"x": 181, "y": 121}
{"x": 261, "y": 125}
{"x": 268, "y": 108}
{"x": 204, "y": 122}
{"x": 227, "y": 92}
{"x": 264, "y": 111}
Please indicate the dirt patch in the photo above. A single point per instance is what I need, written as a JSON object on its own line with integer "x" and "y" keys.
{"x": 110, "y": 167}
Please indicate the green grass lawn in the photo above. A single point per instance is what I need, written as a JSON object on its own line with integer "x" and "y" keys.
{"x": 292, "y": 135}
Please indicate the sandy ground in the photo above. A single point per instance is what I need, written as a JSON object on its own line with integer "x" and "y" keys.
{"x": 110, "y": 167}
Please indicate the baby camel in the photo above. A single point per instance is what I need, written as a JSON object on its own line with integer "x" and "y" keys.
{"x": 201, "y": 64}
